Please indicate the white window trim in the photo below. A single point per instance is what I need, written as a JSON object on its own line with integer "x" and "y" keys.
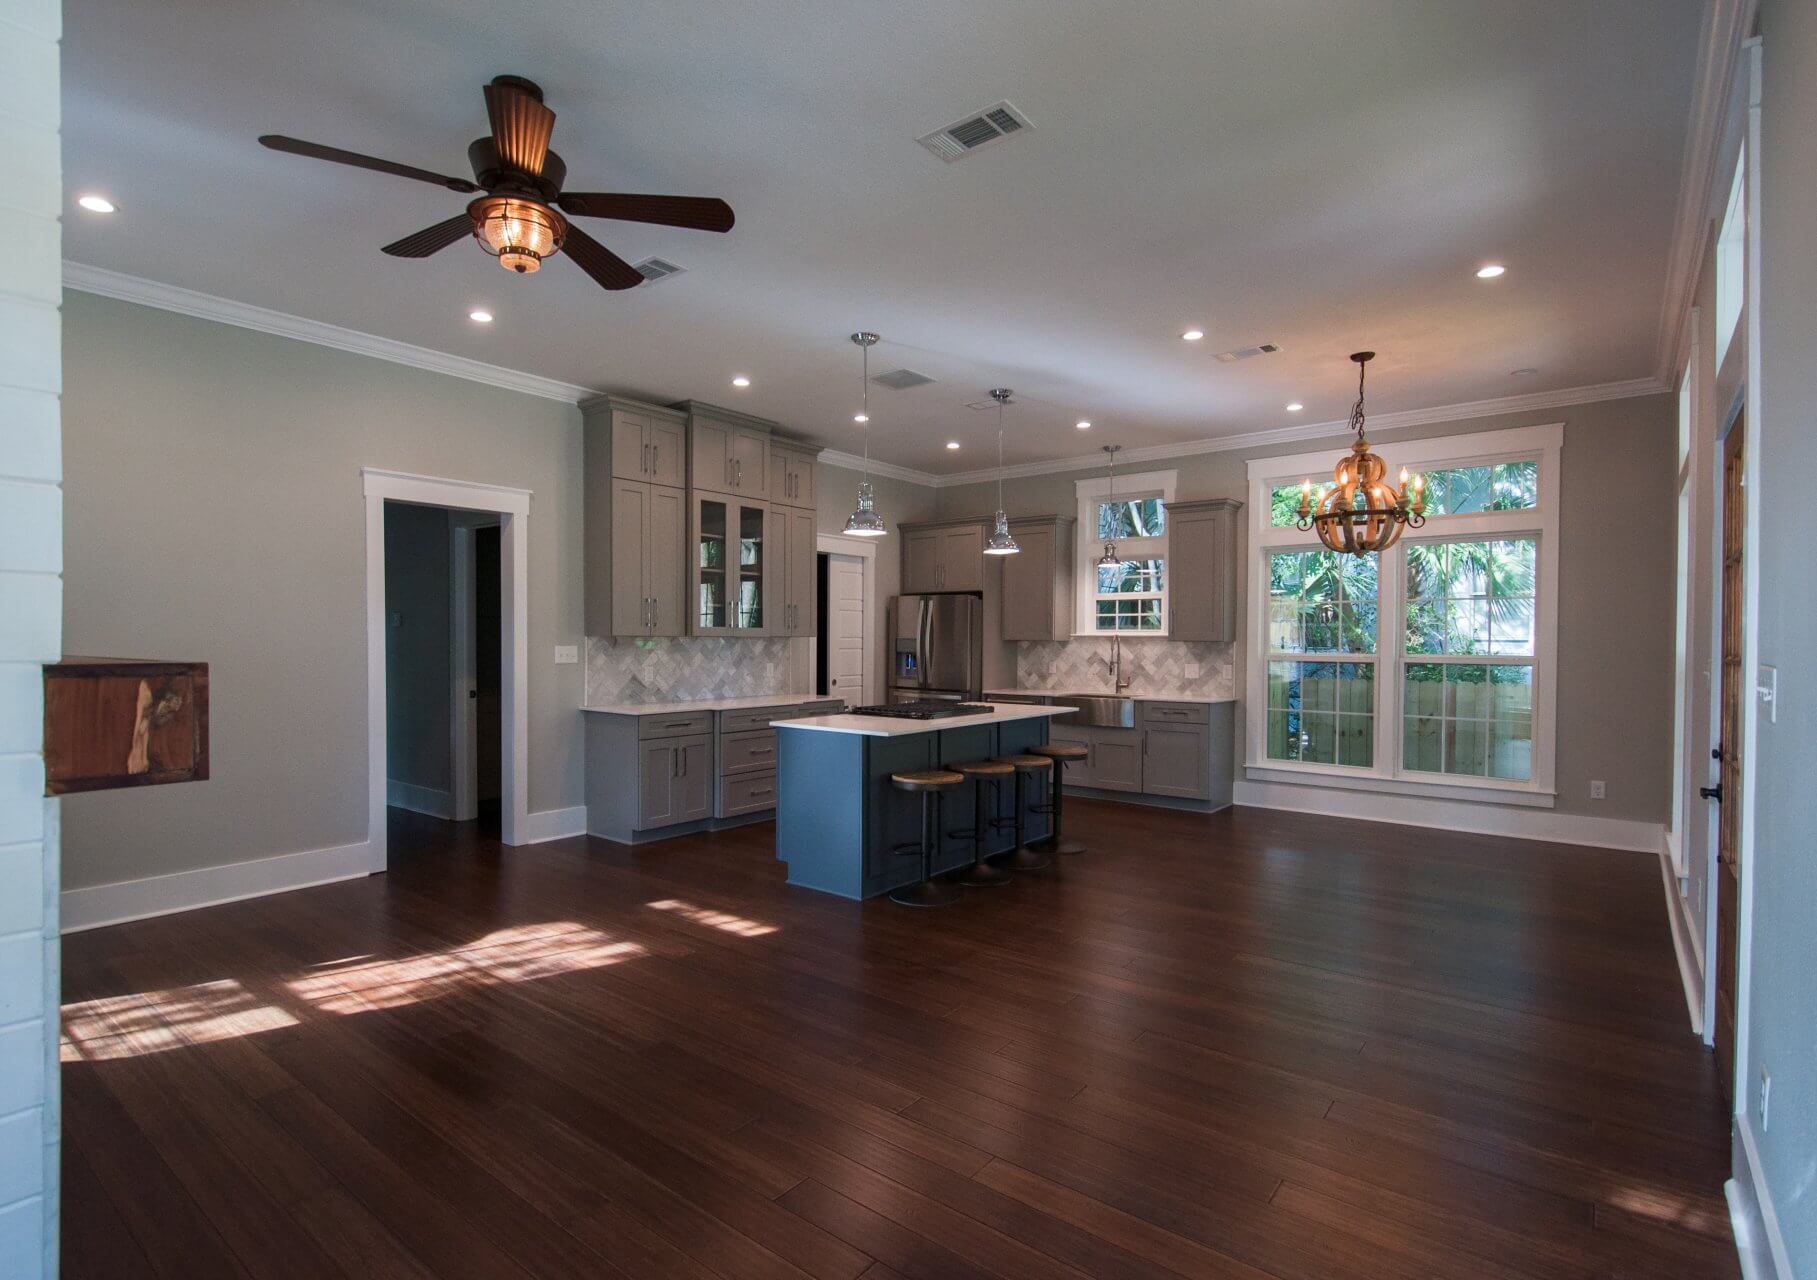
{"x": 1087, "y": 549}
{"x": 1541, "y": 522}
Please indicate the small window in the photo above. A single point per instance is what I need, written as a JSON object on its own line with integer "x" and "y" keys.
{"x": 1129, "y": 596}
{"x": 1450, "y": 491}
{"x": 1132, "y": 518}
{"x": 1731, "y": 260}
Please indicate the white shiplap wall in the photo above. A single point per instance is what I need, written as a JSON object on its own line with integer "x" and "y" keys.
{"x": 31, "y": 628}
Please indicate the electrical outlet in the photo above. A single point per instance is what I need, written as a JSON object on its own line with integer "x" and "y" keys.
{"x": 1766, "y": 1096}
{"x": 1598, "y": 790}
{"x": 566, "y": 654}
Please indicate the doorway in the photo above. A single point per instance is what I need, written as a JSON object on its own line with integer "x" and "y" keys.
{"x": 844, "y": 635}
{"x": 1728, "y": 789}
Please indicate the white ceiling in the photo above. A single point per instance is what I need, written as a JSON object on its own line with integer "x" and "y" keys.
{"x": 1323, "y": 174}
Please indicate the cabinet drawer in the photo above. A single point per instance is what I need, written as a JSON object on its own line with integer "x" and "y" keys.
{"x": 744, "y": 752}
{"x": 746, "y": 793}
{"x": 674, "y": 726}
{"x": 755, "y": 718}
{"x": 1175, "y": 713}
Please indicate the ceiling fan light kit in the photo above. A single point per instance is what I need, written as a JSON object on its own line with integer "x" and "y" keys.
{"x": 522, "y": 219}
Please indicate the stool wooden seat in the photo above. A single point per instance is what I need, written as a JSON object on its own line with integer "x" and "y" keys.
{"x": 930, "y": 785}
{"x": 1060, "y": 753}
{"x": 978, "y": 772}
{"x": 1023, "y": 858}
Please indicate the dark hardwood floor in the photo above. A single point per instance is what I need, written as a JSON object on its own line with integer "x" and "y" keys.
{"x": 1209, "y": 1047}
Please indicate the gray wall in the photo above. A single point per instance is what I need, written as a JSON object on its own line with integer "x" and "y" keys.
{"x": 218, "y": 516}
{"x": 1615, "y": 581}
{"x": 1782, "y": 1001}
{"x": 31, "y": 558}
{"x": 419, "y": 667}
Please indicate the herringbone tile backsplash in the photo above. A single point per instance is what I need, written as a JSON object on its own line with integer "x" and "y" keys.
{"x": 1151, "y": 666}
{"x": 690, "y": 667}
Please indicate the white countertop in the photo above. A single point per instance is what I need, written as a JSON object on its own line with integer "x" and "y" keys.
{"x": 682, "y": 705}
{"x": 901, "y": 727}
{"x": 1144, "y": 696}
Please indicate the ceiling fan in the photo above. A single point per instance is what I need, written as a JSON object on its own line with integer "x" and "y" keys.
{"x": 520, "y": 218}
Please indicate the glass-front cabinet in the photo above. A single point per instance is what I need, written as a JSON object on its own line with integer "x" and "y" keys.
{"x": 731, "y": 554}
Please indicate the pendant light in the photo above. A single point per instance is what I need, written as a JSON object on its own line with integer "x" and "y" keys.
{"x": 864, "y": 522}
{"x": 1362, "y": 512}
{"x": 1001, "y": 543}
{"x": 1110, "y": 559}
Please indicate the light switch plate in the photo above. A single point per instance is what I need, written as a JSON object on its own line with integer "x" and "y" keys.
{"x": 566, "y": 654}
{"x": 1767, "y": 686}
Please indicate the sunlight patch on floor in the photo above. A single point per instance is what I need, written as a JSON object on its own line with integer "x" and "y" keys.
{"x": 1681, "y": 1211}
{"x": 157, "y": 1021}
{"x": 520, "y": 954}
{"x": 713, "y": 919}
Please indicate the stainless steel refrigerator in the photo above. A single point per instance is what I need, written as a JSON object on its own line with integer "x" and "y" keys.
{"x": 938, "y": 650}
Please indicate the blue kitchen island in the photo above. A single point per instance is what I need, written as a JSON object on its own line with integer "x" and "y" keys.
{"x": 838, "y": 817}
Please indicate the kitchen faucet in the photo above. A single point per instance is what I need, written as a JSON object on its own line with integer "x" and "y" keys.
{"x": 1119, "y": 680}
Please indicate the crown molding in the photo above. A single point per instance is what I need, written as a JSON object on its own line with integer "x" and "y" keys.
{"x": 1719, "y": 56}
{"x": 853, "y": 462}
{"x": 1529, "y": 403}
{"x": 169, "y": 297}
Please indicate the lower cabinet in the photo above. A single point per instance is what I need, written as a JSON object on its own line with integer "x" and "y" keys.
{"x": 1175, "y": 761}
{"x": 675, "y": 780}
{"x": 1116, "y": 759}
{"x": 1179, "y": 750}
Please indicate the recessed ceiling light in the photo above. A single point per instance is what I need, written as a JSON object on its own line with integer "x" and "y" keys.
{"x": 480, "y": 316}
{"x": 1490, "y": 271}
{"x": 1522, "y": 373}
{"x": 741, "y": 381}
{"x": 861, "y": 417}
{"x": 96, "y": 204}
{"x": 952, "y": 444}
{"x": 1193, "y": 335}
{"x": 1295, "y": 407}
{"x": 1083, "y": 424}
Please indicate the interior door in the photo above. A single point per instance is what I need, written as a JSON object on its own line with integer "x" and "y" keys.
{"x": 844, "y": 639}
{"x": 487, "y": 682}
{"x": 1728, "y": 751}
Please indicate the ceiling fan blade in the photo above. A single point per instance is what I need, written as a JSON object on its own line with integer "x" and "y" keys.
{"x": 521, "y": 125}
{"x": 606, "y": 267}
{"x": 316, "y": 151}
{"x": 431, "y": 239}
{"x": 699, "y": 213}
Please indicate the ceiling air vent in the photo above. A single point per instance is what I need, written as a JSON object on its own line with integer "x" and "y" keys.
{"x": 1245, "y": 353}
{"x": 901, "y": 379}
{"x": 654, "y": 269}
{"x": 967, "y": 135}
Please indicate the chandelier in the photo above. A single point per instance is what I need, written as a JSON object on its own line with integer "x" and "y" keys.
{"x": 864, "y": 522}
{"x": 1362, "y": 512}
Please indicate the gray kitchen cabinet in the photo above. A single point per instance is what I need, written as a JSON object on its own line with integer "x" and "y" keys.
{"x": 634, "y": 566}
{"x": 792, "y": 474}
{"x": 648, "y": 443}
{"x": 728, "y": 452}
{"x": 1202, "y": 570}
{"x": 793, "y": 582}
{"x": 946, "y": 557}
{"x": 675, "y": 780}
{"x": 730, "y": 566}
{"x": 1037, "y": 601}
{"x": 1116, "y": 759}
{"x": 1176, "y": 761}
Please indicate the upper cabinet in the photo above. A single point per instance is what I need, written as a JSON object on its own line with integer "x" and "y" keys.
{"x": 728, "y": 452}
{"x": 945, "y": 557}
{"x": 732, "y": 566}
{"x": 792, "y": 580}
{"x": 1037, "y": 601}
{"x": 635, "y": 565}
{"x": 1202, "y": 554}
{"x": 792, "y": 474}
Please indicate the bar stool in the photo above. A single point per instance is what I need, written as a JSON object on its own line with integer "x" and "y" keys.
{"x": 1060, "y": 753}
{"x": 931, "y": 784}
{"x": 1023, "y": 858}
{"x": 979, "y": 772}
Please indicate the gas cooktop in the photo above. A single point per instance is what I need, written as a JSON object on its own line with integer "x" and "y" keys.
{"x": 925, "y": 710}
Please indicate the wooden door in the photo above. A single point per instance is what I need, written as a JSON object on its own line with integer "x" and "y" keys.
{"x": 663, "y": 439}
{"x": 665, "y": 563}
{"x": 920, "y": 562}
{"x": 962, "y": 559}
{"x": 1734, "y": 692}
{"x": 844, "y": 639}
{"x": 630, "y": 554}
{"x": 1174, "y": 761}
{"x": 488, "y": 684}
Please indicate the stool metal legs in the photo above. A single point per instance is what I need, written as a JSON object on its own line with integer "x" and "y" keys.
{"x": 928, "y": 892}
{"x": 981, "y": 873}
{"x": 1057, "y": 842}
{"x": 1023, "y": 858}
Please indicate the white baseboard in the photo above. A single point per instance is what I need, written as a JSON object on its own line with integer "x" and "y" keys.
{"x": 556, "y": 824}
{"x": 208, "y": 886}
{"x": 1454, "y": 815}
{"x": 429, "y": 800}
{"x": 1752, "y": 1216}
{"x": 1690, "y": 972}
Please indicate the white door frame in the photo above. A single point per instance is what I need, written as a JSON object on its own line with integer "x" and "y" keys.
{"x": 512, "y": 506}
{"x": 462, "y": 664}
{"x": 866, "y": 550}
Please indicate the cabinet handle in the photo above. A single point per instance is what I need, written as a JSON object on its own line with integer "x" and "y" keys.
{"x": 655, "y": 458}
{"x": 763, "y": 751}
{"x": 674, "y": 763}
{"x": 738, "y": 473}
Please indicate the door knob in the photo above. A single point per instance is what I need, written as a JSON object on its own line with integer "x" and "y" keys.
{"x": 1711, "y": 793}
